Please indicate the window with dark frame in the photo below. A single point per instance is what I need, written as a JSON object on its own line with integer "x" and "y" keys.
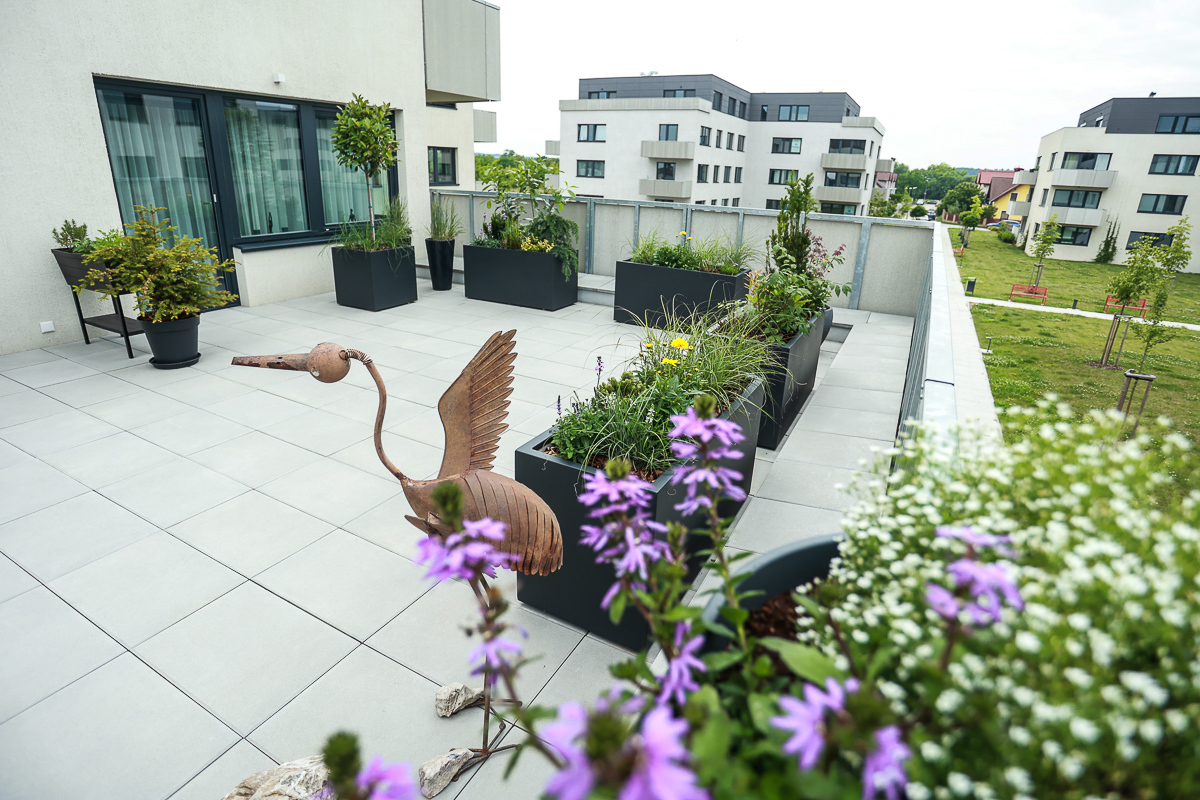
{"x": 1155, "y": 238}
{"x": 718, "y": 139}
{"x": 1053, "y": 157}
{"x": 725, "y": 202}
{"x": 793, "y": 113}
{"x": 1012, "y": 198}
{"x": 731, "y": 107}
{"x": 781, "y": 177}
{"x": 729, "y": 141}
{"x": 737, "y": 202}
{"x": 679, "y": 92}
{"x": 717, "y": 98}
{"x": 601, "y": 95}
{"x": 1074, "y": 235}
{"x": 702, "y": 173}
{"x": 737, "y": 175}
{"x": 589, "y": 169}
{"x": 1173, "y": 165}
{"x": 593, "y": 133}
{"x": 705, "y": 135}
{"x": 773, "y": 205}
{"x": 789, "y": 146}
{"x": 741, "y": 143}
{"x": 851, "y": 147}
{"x": 762, "y": 113}
{"x": 844, "y": 180}
{"x": 1162, "y": 204}
{"x": 846, "y": 209}
{"x": 1075, "y": 198}
{"x": 1045, "y": 194}
{"x": 442, "y": 167}
{"x": 1178, "y": 123}
{"x": 1096, "y": 161}
{"x": 727, "y": 171}
{"x": 665, "y": 171}
{"x": 668, "y": 133}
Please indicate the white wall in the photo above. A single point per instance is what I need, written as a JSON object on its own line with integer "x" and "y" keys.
{"x": 52, "y": 151}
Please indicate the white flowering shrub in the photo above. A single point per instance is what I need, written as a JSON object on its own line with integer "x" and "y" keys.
{"x": 1088, "y": 684}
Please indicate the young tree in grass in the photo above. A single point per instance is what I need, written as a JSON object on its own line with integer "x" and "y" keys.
{"x": 970, "y": 218}
{"x": 1140, "y": 275}
{"x": 1153, "y": 331}
{"x": 990, "y": 211}
{"x": 1175, "y": 257}
{"x": 1043, "y": 246}
{"x": 363, "y": 139}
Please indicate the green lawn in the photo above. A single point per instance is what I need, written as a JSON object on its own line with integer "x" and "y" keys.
{"x": 1035, "y": 352}
{"x": 998, "y": 266}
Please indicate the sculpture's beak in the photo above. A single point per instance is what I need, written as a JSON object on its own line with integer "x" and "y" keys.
{"x": 327, "y": 362}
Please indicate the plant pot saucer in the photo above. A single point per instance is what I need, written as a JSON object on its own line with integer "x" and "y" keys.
{"x": 175, "y": 364}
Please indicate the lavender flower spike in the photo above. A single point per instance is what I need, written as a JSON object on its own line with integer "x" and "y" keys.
{"x": 575, "y": 780}
{"x": 678, "y": 680}
{"x": 883, "y": 769}
{"x": 660, "y": 773}
{"x": 690, "y": 425}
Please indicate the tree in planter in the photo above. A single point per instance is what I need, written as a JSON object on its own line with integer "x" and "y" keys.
{"x": 363, "y": 139}
{"x": 72, "y": 237}
{"x": 1108, "y": 248}
{"x": 1043, "y": 246}
{"x": 791, "y": 232}
{"x": 172, "y": 276}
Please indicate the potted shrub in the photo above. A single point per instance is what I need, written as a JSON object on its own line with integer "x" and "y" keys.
{"x": 682, "y": 278}
{"x": 521, "y": 260}
{"x": 628, "y": 416}
{"x": 173, "y": 278}
{"x": 73, "y": 246}
{"x": 374, "y": 267}
{"x": 444, "y": 227}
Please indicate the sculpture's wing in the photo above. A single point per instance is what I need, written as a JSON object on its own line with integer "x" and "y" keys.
{"x": 473, "y": 409}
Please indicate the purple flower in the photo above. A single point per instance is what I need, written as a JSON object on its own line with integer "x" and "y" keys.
{"x": 969, "y": 535}
{"x": 805, "y": 719}
{"x": 606, "y": 496}
{"x": 942, "y": 600}
{"x": 387, "y": 782}
{"x": 986, "y": 582}
{"x": 575, "y": 780}
{"x": 678, "y": 679}
{"x": 599, "y": 365}
{"x": 465, "y": 555}
{"x": 634, "y": 552}
{"x": 883, "y": 769}
{"x": 660, "y": 773}
{"x": 690, "y": 426}
{"x": 492, "y": 654}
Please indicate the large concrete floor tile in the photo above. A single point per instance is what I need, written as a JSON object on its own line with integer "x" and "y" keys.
{"x": 245, "y": 655}
{"x": 830, "y": 449}
{"x": 12, "y": 456}
{"x": 66, "y": 536}
{"x": 389, "y": 706}
{"x": 145, "y": 587}
{"x": 417, "y": 460}
{"x": 218, "y": 778}
{"x": 140, "y": 408}
{"x": 31, "y": 486}
{"x": 147, "y": 376}
{"x": 250, "y": 533}
{"x": 257, "y": 409}
{"x": 114, "y": 458}
{"x": 865, "y": 424}
{"x": 47, "y": 644}
{"x": 27, "y": 405}
{"x": 255, "y": 458}
{"x": 13, "y": 580}
{"x": 332, "y": 491}
{"x": 487, "y": 782}
{"x": 190, "y": 432}
{"x": 26, "y": 358}
{"x": 41, "y": 437}
{"x": 428, "y": 638}
{"x": 90, "y": 390}
{"x": 50, "y": 372}
{"x": 9, "y": 386}
{"x": 584, "y": 676}
{"x": 170, "y": 494}
{"x": 348, "y": 582}
{"x": 125, "y": 731}
{"x": 863, "y": 379}
{"x": 320, "y": 431}
{"x": 203, "y": 390}
{"x": 858, "y": 399}
{"x": 807, "y": 484}
{"x": 767, "y": 524}
{"x": 867, "y": 348}
{"x": 417, "y": 388}
{"x": 875, "y": 364}
{"x": 386, "y": 526}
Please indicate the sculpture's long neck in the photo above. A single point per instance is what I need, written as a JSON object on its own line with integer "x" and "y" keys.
{"x": 387, "y": 462}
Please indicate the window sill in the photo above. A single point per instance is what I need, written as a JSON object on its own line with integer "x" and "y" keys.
{"x": 443, "y": 184}
{"x": 276, "y": 244}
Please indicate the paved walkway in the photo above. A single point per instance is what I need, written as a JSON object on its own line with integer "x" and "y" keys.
{"x": 1075, "y": 312}
{"x": 204, "y": 572}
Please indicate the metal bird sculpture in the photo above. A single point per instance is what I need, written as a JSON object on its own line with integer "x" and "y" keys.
{"x": 473, "y": 411}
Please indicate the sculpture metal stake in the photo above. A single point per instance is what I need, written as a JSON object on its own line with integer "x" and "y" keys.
{"x": 473, "y": 411}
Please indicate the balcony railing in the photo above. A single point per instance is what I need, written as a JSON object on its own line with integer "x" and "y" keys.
{"x": 1025, "y": 177}
{"x": 1087, "y": 217}
{"x": 1019, "y": 209}
{"x": 1083, "y": 178}
{"x": 837, "y": 194}
{"x": 845, "y": 161}
{"x": 683, "y": 151}
{"x": 677, "y": 189}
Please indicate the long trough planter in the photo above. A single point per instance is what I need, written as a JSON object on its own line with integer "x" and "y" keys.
{"x": 789, "y": 383}
{"x": 643, "y": 291}
{"x": 517, "y": 278}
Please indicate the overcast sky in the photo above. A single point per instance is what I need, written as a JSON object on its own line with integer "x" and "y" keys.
{"x": 972, "y": 84}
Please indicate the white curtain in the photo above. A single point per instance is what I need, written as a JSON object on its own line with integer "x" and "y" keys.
{"x": 343, "y": 190}
{"x": 268, "y": 182}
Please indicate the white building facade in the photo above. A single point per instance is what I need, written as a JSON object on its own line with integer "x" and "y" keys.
{"x": 1131, "y": 163}
{"x": 104, "y": 109}
{"x": 700, "y": 139}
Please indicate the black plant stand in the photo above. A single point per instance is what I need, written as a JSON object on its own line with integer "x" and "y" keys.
{"x": 116, "y": 322}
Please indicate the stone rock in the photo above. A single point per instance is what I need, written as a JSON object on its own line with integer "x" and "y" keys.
{"x": 436, "y": 773}
{"x": 455, "y": 697}
{"x": 304, "y": 779}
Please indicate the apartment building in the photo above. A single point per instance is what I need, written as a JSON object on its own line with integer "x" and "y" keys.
{"x": 1129, "y": 162}
{"x": 105, "y": 108}
{"x": 700, "y": 139}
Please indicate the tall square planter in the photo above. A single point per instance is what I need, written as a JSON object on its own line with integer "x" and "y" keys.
{"x": 517, "y": 278}
{"x": 573, "y": 593}
{"x": 827, "y": 323}
{"x": 374, "y": 280}
{"x": 789, "y": 383}
{"x": 643, "y": 290}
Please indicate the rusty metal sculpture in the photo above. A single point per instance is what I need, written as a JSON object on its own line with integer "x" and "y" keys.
{"x": 473, "y": 411}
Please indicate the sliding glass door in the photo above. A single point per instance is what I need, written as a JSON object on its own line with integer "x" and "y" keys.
{"x": 157, "y": 149}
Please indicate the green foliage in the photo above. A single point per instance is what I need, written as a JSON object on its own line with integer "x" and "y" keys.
{"x": 392, "y": 230}
{"x": 791, "y": 233}
{"x": 897, "y": 205}
{"x": 918, "y": 212}
{"x": 1006, "y": 236}
{"x": 509, "y": 158}
{"x": 932, "y": 183}
{"x": 678, "y": 256}
{"x": 783, "y": 301}
{"x": 1176, "y": 256}
{"x": 524, "y": 182}
{"x": 989, "y": 211}
{"x": 172, "y": 276}
{"x": 1046, "y": 238}
{"x": 444, "y": 222}
{"x": 1140, "y": 274}
{"x": 628, "y": 415}
{"x": 363, "y": 139}
{"x": 71, "y": 236}
{"x": 344, "y": 762}
{"x": 562, "y": 234}
{"x": 960, "y": 198}
{"x": 714, "y": 254}
{"x": 1154, "y": 332}
{"x": 646, "y": 248}
{"x": 1108, "y": 248}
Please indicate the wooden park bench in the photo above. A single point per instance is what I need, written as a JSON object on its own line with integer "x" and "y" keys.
{"x": 1115, "y": 303}
{"x": 1032, "y": 292}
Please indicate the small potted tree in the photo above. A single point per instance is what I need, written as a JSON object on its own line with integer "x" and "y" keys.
{"x": 374, "y": 267}
{"x": 173, "y": 277}
{"x": 444, "y": 227}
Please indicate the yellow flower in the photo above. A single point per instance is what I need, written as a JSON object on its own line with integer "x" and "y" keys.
{"x": 680, "y": 344}
{"x": 683, "y": 233}
{"x": 648, "y": 346}
{"x": 670, "y": 361}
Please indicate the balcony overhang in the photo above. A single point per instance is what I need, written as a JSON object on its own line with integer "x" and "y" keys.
{"x": 674, "y": 189}
{"x": 485, "y": 126}
{"x": 1025, "y": 177}
{"x": 838, "y": 194}
{"x": 462, "y": 51}
{"x": 844, "y": 161}
{"x": 553, "y": 147}
{"x": 864, "y": 122}
{"x": 1083, "y": 178}
{"x": 1019, "y": 209}
{"x": 1085, "y": 217}
{"x": 683, "y": 151}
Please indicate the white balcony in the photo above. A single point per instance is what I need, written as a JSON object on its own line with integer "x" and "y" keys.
{"x": 485, "y": 126}
{"x": 683, "y": 151}
{"x": 1025, "y": 177}
{"x": 844, "y": 161}
{"x": 1087, "y": 217}
{"x": 1019, "y": 209}
{"x": 837, "y": 194}
{"x": 462, "y": 51}
{"x": 673, "y": 189}
{"x": 885, "y": 165}
{"x": 1083, "y": 178}
{"x": 553, "y": 147}
{"x": 864, "y": 122}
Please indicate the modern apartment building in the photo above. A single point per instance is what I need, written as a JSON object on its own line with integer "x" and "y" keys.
{"x": 700, "y": 139}
{"x": 223, "y": 117}
{"x": 1130, "y": 162}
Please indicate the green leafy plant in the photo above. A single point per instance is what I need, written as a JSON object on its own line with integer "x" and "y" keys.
{"x": 172, "y": 276}
{"x": 1108, "y": 248}
{"x": 526, "y": 182}
{"x": 1153, "y": 331}
{"x": 918, "y": 212}
{"x": 1043, "y": 245}
{"x": 562, "y": 234}
{"x": 363, "y": 139}
{"x": 791, "y": 234}
{"x": 782, "y": 301}
{"x": 444, "y": 222}
{"x": 71, "y": 236}
{"x": 646, "y": 249}
{"x": 1006, "y": 236}
{"x": 392, "y": 230}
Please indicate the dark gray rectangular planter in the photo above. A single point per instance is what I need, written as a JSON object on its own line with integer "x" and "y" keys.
{"x": 574, "y": 592}
{"x": 518, "y": 278}
{"x": 827, "y": 323}
{"x": 374, "y": 280}
{"x": 644, "y": 290}
{"x": 789, "y": 384}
